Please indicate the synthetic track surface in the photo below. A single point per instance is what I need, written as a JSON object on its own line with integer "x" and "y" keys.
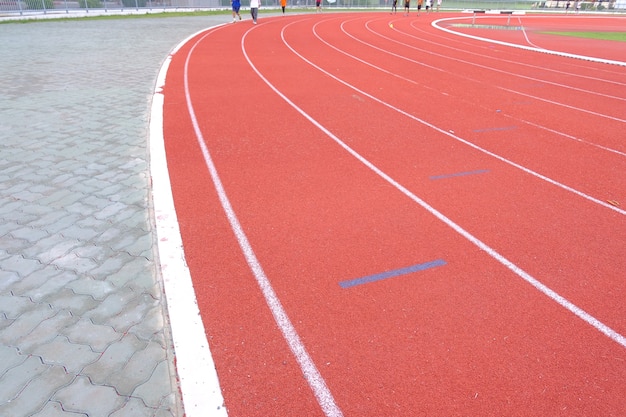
{"x": 349, "y": 150}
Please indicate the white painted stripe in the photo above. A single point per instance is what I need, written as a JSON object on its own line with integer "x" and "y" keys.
{"x": 435, "y": 24}
{"x": 199, "y": 384}
{"x": 452, "y": 135}
{"x": 494, "y": 69}
{"x": 309, "y": 370}
{"x": 426, "y": 86}
{"x": 588, "y": 318}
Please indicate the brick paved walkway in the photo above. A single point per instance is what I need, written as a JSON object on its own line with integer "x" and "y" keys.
{"x": 83, "y": 325}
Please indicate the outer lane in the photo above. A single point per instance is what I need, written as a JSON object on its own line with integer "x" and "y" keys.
{"x": 508, "y": 216}
{"x": 439, "y": 333}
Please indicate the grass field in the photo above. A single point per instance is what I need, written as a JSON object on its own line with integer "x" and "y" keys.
{"x": 609, "y": 36}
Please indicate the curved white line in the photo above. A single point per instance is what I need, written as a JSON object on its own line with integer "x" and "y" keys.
{"x": 528, "y": 48}
{"x": 452, "y": 135}
{"x": 583, "y": 315}
{"x": 524, "y": 64}
{"x": 498, "y": 71}
{"x": 426, "y": 86}
{"x": 199, "y": 383}
{"x": 309, "y": 370}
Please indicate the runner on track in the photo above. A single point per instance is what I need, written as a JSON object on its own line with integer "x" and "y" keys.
{"x": 236, "y": 5}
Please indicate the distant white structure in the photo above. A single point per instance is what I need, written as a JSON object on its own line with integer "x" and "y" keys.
{"x": 199, "y": 3}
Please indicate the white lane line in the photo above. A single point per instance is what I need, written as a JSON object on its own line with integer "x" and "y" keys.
{"x": 452, "y": 135}
{"x": 309, "y": 370}
{"x": 426, "y": 86}
{"x": 562, "y": 301}
{"x": 199, "y": 384}
{"x": 489, "y": 68}
{"x": 435, "y": 24}
{"x": 597, "y": 78}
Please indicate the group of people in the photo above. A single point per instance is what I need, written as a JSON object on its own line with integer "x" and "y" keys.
{"x": 254, "y": 9}
{"x": 576, "y": 6}
{"x": 255, "y": 4}
{"x": 420, "y": 3}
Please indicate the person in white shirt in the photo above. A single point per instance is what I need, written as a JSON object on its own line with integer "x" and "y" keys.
{"x": 254, "y": 9}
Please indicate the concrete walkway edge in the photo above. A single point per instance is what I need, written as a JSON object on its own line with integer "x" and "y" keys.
{"x": 196, "y": 370}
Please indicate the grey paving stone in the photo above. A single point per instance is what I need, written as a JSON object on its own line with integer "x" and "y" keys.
{"x": 95, "y": 252}
{"x": 22, "y": 266}
{"x": 62, "y": 198}
{"x": 134, "y": 407}
{"x": 45, "y": 332}
{"x": 97, "y": 336}
{"x": 29, "y": 234}
{"x": 151, "y": 324}
{"x": 83, "y": 234}
{"x": 134, "y": 243}
{"x": 76, "y": 241}
{"x": 75, "y": 263}
{"x": 9, "y": 357}
{"x": 51, "y": 247}
{"x": 111, "y": 265}
{"x": 54, "y": 409}
{"x": 25, "y": 323}
{"x": 76, "y": 304}
{"x": 84, "y": 397}
{"x": 15, "y": 379}
{"x": 111, "y": 306}
{"x": 36, "y": 393}
{"x": 98, "y": 290}
{"x": 138, "y": 369}
{"x": 35, "y": 208}
{"x": 12, "y": 306}
{"x": 53, "y": 281}
{"x": 131, "y": 274}
{"x": 5, "y": 322}
{"x": 134, "y": 312}
{"x": 8, "y": 226}
{"x": 114, "y": 358}
{"x": 154, "y": 394}
{"x": 8, "y": 279}
{"x": 47, "y": 218}
{"x": 31, "y": 282}
{"x": 9, "y": 206}
{"x": 61, "y": 352}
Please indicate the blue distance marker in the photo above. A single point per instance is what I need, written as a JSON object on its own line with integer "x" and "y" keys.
{"x": 494, "y": 129}
{"x": 391, "y": 274}
{"x": 459, "y": 174}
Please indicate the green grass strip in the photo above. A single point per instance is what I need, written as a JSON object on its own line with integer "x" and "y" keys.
{"x": 607, "y": 36}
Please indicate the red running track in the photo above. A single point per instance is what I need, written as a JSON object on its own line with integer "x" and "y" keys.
{"x": 343, "y": 148}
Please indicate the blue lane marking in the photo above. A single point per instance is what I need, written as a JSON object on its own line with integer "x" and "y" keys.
{"x": 495, "y": 129}
{"x": 391, "y": 274}
{"x": 459, "y": 174}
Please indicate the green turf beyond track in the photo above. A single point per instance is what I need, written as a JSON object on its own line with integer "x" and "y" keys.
{"x": 608, "y": 36}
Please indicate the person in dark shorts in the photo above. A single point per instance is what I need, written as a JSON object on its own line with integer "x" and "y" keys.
{"x": 394, "y": 8}
{"x": 236, "y": 5}
{"x": 407, "y": 4}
